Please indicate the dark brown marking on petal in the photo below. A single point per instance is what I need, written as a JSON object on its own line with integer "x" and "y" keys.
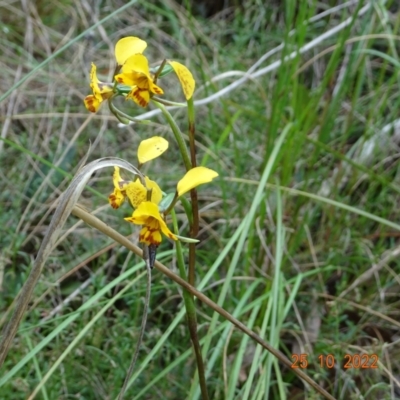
{"x": 140, "y": 99}
{"x": 112, "y": 198}
{"x": 89, "y": 100}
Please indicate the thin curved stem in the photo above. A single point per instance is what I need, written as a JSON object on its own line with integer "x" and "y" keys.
{"x": 191, "y": 315}
{"x": 177, "y": 134}
{"x": 125, "y": 118}
{"x": 194, "y": 225}
{"x": 168, "y": 103}
{"x": 141, "y": 334}
{"x": 192, "y": 130}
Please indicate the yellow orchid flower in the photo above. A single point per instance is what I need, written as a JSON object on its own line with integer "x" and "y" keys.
{"x": 125, "y": 48}
{"x": 133, "y": 190}
{"x": 148, "y": 215}
{"x": 101, "y": 91}
{"x": 153, "y": 225}
{"x": 136, "y": 73}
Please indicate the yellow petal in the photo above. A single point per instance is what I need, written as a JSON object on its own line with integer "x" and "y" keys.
{"x": 136, "y": 193}
{"x": 147, "y": 214}
{"x": 116, "y": 198}
{"x": 147, "y": 209}
{"x": 150, "y": 236}
{"x": 100, "y": 90}
{"x": 91, "y": 103}
{"x": 195, "y": 177}
{"x": 185, "y": 78}
{"x": 156, "y": 194}
{"x": 151, "y": 148}
{"x": 127, "y": 47}
{"x": 118, "y": 182}
{"x": 165, "y": 230}
{"x": 154, "y": 88}
{"x": 116, "y": 177}
{"x": 137, "y": 63}
{"x": 137, "y": 220}
{"x": 140, "y": 97}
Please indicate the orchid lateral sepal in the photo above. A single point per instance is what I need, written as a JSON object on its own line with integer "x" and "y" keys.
{"x": 166, "y": 102}
{"x": 167, "y": 69}
{"x": 186, "y": 239}
{"x": 125, "y": 118}
{"x": 121, "y": 118}
{"x": 122, "y": 90}
{"x": 167, "y": 202}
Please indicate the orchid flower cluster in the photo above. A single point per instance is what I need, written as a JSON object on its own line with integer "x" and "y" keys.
{"x": 133, "y": 78}
{"x": 136, "y": 81}
{"x": 148, "y": 209}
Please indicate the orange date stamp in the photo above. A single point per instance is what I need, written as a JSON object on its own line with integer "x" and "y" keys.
{"x": 350, "y": 361}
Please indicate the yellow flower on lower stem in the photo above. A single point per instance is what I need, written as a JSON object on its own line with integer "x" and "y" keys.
{"x": 101, "y": 91}
{"x": 134, "y": 190}
{"x": 136, "y": 73}
{"x": 153, "y": 225}
{"x": 117, "y": 197}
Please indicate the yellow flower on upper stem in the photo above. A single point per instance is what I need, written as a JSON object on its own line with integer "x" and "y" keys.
{"x": 136, "y": 73}
{"x": 101, "y": 91}
{"x": 125, "y": 48}
{"x": 153, "y": 225}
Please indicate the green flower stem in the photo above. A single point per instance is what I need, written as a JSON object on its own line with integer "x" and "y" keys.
{"x": 177, "y": 133}
{"x": 192, "y": 130}
{"x": 168, "y": 102}
{"x": 142, "y": 328}
{"x": 188, "y": 209}
{"x": 191, "y": 314}
{"x": 192, "y": 262}
{"x": 194, "y": 225}
{"x": 125, "y": 118}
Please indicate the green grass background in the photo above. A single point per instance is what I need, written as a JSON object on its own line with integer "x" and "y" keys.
{"x": 314, "y": 270}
